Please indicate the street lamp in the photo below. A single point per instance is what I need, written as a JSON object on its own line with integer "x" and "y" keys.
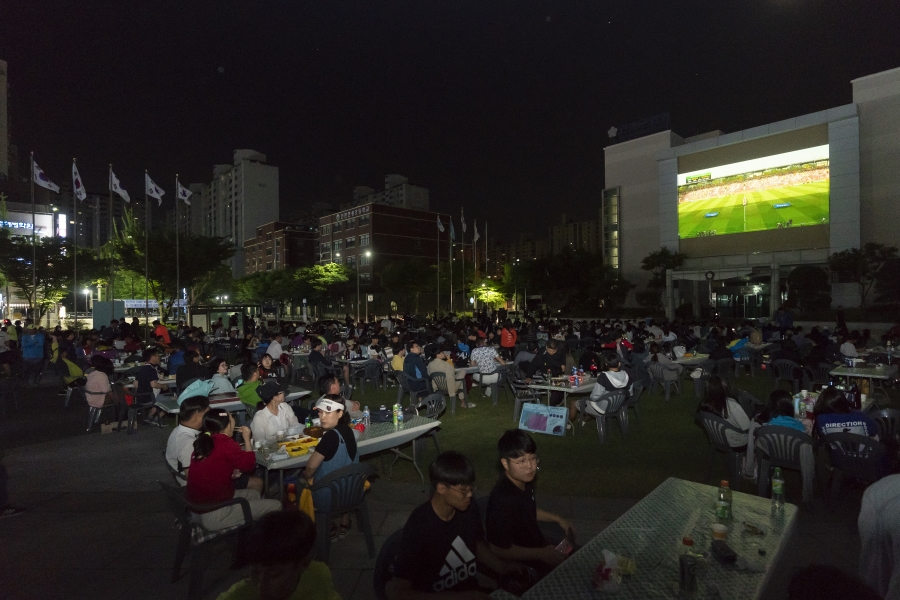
{"x": 86, "y": 293}
{"x": 368, "y": 254}
{"x": 516, "y": 285}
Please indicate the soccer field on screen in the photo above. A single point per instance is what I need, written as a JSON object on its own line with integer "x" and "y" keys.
{"x": 805, "y": 204}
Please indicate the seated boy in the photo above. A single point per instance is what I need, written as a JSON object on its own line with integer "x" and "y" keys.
{"x": 443, "y": 539}
{"x": 512, "y": 514}
{"x": 279, "y": 550}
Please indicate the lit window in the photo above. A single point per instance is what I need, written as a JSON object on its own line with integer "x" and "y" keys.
{"x": 364, "y": 239}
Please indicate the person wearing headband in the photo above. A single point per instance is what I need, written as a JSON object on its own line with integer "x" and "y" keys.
{"x": 336, "y": 449}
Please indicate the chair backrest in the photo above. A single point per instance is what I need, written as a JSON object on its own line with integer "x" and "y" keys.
{"x": 725, "y": 367}
{"x": 784, "y": 369}
{"x": 616, "y": 401}
{"x": 402, "y": 379}
{"x": 178, "y": 504}
{"x": 642, "y": 370}
{"x": 318, "y": 370}
{"x": 638, "y": 388}
{"x": 857, "y": 455}
{"x": 742, "y": 355}
{"x": 435, "y": 404}
{"x": 177, "y": 475}
{"x": 346, "y": 485}
{"x": 715, "y": 427}
{"x": 888, "y": 421}
{"x": 373, "y": 369}
{"x": 522, "y": 391}
{"x": 657, "y": 370}
{"x": 384, "y": 564}
{"x": 439, "y": 383}
{"x": 781, "y": 445}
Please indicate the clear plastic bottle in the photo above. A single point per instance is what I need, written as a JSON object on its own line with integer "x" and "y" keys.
{"x": 367, "y": 416}
{"x": 723, "y": 502}
{"x": 400, "y": 418}
{"x": 777, "y": 490}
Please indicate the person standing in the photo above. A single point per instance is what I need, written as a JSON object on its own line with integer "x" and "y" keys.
{"x": 33, "y": 353}
{"x": 508, "y": 338}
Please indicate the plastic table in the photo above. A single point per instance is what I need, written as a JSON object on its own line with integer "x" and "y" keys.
{"x": 651, "y": 534}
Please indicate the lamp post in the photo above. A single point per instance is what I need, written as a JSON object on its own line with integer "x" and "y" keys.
{"x": 87, "y": 293}
{"x": 359, "y": 264}
{"x": 516, "y": 285}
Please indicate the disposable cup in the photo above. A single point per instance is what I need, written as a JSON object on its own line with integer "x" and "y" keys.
{"x": 862, "y": 398}
{"x": 804, "y": 394}
{"x": 719, "y": 531}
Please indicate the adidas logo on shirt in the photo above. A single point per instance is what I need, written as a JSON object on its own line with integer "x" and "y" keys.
{"x": 458, "y": 566}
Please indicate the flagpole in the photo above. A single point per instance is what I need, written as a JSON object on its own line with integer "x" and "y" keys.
{"x": 462, "y": 243}
{"x": 177, "y": 253}
{"x": 450, "y": 254}
{"x": 146, "y": 258}
{"x": 112, "y": 262}
{"x": 33, "y": 247}
{"x": 437, "y": 301}
{"x": 75, "y": 251}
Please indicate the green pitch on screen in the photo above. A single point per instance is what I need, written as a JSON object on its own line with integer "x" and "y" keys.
{"x": 808, "y": 206}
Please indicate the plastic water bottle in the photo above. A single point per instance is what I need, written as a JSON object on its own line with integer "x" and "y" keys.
{"x": 399, "y": 417}
{"x": 890, "y": 353}
{"x": 778, "y": 490}
{"x": 723, "y": 502}
{"x": 394, "y": 414}
{"x": 366, "y": 416}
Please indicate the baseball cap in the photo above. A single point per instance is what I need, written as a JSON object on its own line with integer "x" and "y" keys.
{"x": 327, "y": 405}
{"x": 269, "y": 390}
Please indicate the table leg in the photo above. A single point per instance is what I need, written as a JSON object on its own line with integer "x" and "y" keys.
{"x": 266, "y": 482}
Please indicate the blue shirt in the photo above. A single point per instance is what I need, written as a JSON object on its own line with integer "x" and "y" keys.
{"x": 33, "y": 346}
{"x": 791, "y": 422}
{"x": 852, "y": 422}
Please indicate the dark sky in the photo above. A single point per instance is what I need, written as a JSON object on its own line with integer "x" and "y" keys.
{"x": 498, "y": 106}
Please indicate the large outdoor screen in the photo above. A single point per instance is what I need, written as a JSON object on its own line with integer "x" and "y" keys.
{"x": 773, "y": 192}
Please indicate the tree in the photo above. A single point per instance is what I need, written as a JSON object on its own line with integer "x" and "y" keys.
{"x": 55, "y": 273}
{"x": 608, "y": 288}
{"x": 887, "y": 282}
{"x": 809, "y": 289}
{"x": 862, "y": 266}
{"x": 199, "y": 256}
{"x": 407, "y": 280}
{"x": 489, "y": 292}
{"x": 657, "y": 263}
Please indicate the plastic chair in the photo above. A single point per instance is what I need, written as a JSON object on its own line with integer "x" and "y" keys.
{"x": 786, "y": 448}
{"x": 715, "y": 427}
{"x": 637, "y": 389}
{"x": 434, "y": 405}
{"x": 616, "y": 409}
{"x": 818, "y": 375}
{"x": 657, "y": 375}
{"x": 857, "y": 456}
{"x": 369, "y": 370}
{"x": 142, "y": 402}
{"x": 888, "y": 421}
{"x": 347, "y": 495}
{"x": 196, "y": 540}
{"x": 384, "y": 564}
{"x": 522, "y": 394}
{"x": 405, "y": 382}
{"x": 744, "y": 357}
{"x": 787, "y": 370}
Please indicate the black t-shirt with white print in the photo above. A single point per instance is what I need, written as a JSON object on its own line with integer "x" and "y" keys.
{"x": 438, "y": 555}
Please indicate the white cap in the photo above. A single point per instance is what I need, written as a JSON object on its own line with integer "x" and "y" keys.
{"x": 327, "y": 405}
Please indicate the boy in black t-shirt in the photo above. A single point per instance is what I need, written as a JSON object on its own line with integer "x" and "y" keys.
{"x": 512, "y": 514}
{"x": 443, "y": 538}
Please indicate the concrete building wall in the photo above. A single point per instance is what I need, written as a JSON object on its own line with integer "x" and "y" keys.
{"x": 878, "y": 100}
{"x": 632, "y": 166}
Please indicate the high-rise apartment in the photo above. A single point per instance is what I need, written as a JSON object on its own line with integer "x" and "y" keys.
{"x": 397, "y": 192}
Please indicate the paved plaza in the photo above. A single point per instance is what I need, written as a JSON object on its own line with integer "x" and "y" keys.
{"x": 98, "y": 526}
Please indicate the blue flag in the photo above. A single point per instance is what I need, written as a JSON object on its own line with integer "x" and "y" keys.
{"x": 452, "y": 233}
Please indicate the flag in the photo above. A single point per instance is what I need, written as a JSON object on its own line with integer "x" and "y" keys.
{"x": 184, "y": 193}
{"x": 462, "y": 219}
{"x": 475, "y": 236}
{"x": 440, "y": 225}
{"x": 116, "y": 187}
{"x": 76, "y": 183}
{"x": 452, "y": 233}
{"x": 42, "y": 180}
{"x": 152, "y": 189}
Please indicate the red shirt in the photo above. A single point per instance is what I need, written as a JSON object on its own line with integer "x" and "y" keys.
{"x": 163, "y": 332}
{"x": 209, "y": 480}
{"x": 508, "y": 337}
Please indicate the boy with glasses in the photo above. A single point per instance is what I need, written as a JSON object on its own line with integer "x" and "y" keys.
{"x": 443, "y": 538}
{"x": 512, "y": 514}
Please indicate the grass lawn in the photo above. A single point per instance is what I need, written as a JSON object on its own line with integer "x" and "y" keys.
{"x": 664, "y": 443}
{"x": 727, "y": 214}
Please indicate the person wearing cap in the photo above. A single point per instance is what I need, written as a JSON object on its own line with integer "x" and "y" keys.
{"x": 438, "y": 363}
{"x": 272, "y": 414}
{"x": 33, "y": 352}
{"x": 335, "y": 450}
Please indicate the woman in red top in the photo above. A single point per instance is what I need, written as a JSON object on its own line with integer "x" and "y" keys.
{"x": 508, "y": 339}
{"x": 216, "y": 459}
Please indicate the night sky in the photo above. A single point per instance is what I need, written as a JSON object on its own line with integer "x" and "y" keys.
{"x": 493, "y": 105}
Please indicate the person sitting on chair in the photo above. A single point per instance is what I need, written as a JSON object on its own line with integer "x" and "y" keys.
{"x": 613, "y": 379}
{"x": 329, "y": 384}
{"x": 718, "y": 401}
{"x": 221, "y": 384}
{"x": 415, "y": 369}
{"x": 180, "y": 446}
{"x": 279, "y": 549}
{"x": 272, "y": 413}
{"x": 512, "y": 517}
{"x": 247, "y": 390}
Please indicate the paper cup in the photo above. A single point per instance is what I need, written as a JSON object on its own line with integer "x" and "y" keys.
{"x": 719, "y": 532}
{"x": 862, "y": 398}
{"x": 804, "y": 394}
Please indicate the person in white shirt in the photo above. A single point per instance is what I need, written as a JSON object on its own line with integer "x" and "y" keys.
{"x": 275, "y": 350}
{"x": 486, "y": 359}
{"x": 181, "y": 441}
{"x": 848, "y": 349}
{"x": 272, "y": 414}
{"x": 879, "y": 536}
